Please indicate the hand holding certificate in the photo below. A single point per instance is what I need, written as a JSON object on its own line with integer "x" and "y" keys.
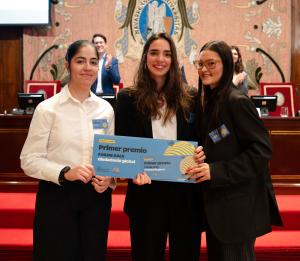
{"x": 125, "y": 157}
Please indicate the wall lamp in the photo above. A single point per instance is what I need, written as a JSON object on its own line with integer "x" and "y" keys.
{"x": 54, "y": 46}
{"x": 259, "y": 50}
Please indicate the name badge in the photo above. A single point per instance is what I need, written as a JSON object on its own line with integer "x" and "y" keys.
{"x": 214, "y": 135}
{"x": 100, "y": 124}
{"x": 224, "y": 132}
{"x": 220, "y": 133}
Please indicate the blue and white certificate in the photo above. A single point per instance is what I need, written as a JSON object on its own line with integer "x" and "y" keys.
{"x": 125, "y": 157}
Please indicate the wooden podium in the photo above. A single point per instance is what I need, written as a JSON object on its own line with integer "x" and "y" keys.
{"x": 284, "y": 166}
{"x": 13, "y": 132}
{"x": 285, "y": 163}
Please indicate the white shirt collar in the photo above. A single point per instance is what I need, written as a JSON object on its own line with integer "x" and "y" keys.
{"x": 65, "y": 95}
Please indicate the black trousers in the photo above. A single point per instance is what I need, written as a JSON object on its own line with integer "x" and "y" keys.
{"x": 71, "y": 222}
{"x": 218, "y": 251}
{"x": 150, "y": 227}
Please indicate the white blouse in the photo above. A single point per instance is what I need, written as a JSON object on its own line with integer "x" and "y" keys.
{"x": 167, "y": 131}
{"x": 61, "y": 134}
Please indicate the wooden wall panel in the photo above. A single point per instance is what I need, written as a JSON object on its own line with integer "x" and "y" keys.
{"x": 295, "y": 47}
{"x": 11, "y": 66}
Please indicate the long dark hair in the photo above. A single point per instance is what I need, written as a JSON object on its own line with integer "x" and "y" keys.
{"x": 225, "y": 83}
{"x": 238, "y": 66}
{"x": 174, "y": 90}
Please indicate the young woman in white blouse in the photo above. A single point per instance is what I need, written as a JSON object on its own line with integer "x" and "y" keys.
{"x": 72, "y": 205}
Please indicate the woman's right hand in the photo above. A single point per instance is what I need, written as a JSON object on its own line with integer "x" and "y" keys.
{"x": 142, "y": 179}
{"x": 83, "y": 172}
{"x": 199, "y": 155}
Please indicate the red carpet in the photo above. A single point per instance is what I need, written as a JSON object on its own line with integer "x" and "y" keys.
{"x": 16, "y": 217}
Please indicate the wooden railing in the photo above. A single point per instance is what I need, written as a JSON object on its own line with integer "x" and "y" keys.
{"x": 284, "y": 166}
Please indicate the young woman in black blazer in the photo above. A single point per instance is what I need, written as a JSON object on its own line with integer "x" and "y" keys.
{"x": 159, "y": 105}
{"x": 239, "y": 201}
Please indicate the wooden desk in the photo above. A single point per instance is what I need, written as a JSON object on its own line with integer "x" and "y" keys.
{"x": 13, "y": 132}
{"x": 285, "y": 163}
{"x": 284, "y": 166}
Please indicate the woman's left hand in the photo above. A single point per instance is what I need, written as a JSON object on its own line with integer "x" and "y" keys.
{"x": 142, "y": 179}
{"x": 199, "y": 173}
{"x": 101, "y": 183}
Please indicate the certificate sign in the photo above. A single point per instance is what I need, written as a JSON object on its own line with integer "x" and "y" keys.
{"x": 125, "y": 157}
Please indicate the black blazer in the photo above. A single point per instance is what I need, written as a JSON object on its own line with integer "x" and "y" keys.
{"x": 239, "y": 200}
{"x": 131, "y": 122}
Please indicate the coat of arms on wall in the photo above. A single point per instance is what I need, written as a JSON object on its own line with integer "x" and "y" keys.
{"x": 142, "y": 18}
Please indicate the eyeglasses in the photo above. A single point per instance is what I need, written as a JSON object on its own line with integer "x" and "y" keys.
{"x": 209, "y": 64}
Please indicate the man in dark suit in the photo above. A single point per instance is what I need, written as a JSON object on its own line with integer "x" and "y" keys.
{"x": 108, "y": 74}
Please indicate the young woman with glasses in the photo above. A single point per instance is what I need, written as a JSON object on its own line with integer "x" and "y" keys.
{"x": 238, "y": 197}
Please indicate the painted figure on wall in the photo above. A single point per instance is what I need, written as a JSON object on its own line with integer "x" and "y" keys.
{"x": 156, "y": 15}
{"x": 140, "y": 19}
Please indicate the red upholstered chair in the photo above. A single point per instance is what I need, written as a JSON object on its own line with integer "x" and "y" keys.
{"x": 286, "y": 96}
{"x": 118, "y": 87}
{"x": 49, "y": 88}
